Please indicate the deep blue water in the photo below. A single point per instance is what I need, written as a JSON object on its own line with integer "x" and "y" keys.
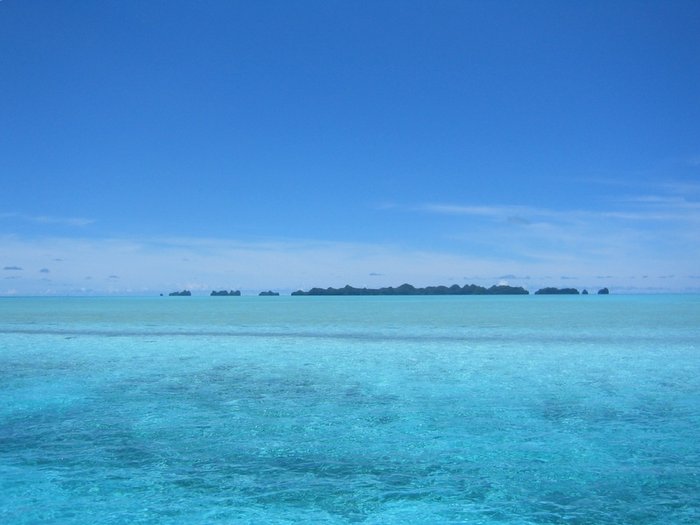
{"x": 519, "y": 410}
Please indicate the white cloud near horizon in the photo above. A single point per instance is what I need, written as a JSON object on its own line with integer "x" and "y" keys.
{"x": 165, "y": 264}
{"x": 652, "y": 208}
{"x": 150, "y": 266}
{"x": 642, "y": 237}
{"x": 48, "y": 219}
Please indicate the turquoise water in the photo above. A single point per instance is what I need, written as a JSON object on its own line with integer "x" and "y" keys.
{"x": 375, "y": 410}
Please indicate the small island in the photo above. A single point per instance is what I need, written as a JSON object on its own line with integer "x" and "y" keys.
{"x": 556, "y": 291}
{"x": 269, "y": 293}
{"x": 408, "y": 289}
{"x": 183, "y": 293}
{"x": 603, "y": 291}
{"x": 224, "y": 293}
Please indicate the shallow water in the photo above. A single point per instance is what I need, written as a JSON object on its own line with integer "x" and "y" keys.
{"x": 527, "y": 410}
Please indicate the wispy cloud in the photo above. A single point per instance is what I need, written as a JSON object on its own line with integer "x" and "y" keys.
{"x": 162, "y": 264}
{"x": 651, "y": 233}
{"x": 671, "y": 203}
{"x": 500, "y": 212}
{"x": 649, "y": 208}
{"x": 48, "y": 219}
{"x": 157, "y": 265}
{"x": 638, "y": 234}
{"x": 684, "y": 188}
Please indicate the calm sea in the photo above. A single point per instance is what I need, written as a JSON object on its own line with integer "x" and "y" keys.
{"x": 374, "y": 410}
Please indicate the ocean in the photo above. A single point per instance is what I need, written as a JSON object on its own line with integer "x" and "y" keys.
{"x": 368, "y": 410}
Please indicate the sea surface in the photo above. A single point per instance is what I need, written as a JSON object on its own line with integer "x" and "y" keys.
{"x": 372, "y": 410}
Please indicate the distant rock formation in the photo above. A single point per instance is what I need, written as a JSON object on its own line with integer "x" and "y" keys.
{"x": 504, "y": 289}
{"x": 269, "y": 293}
{"x": 224, "y": 293}
{"x": 603, "y": 291}
{"x": 183, "y": 293}
{"x": 584, "y": 292}
{"x": 408, "y": 289}
{"x": 557, "y": 291}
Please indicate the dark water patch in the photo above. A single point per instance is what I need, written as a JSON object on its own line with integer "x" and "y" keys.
{"x": 501, "y": 337}
{"x": 349, "y": 481}
{"x": 13, "y": 368}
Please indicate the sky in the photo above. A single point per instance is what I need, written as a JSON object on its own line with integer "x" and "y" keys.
{"x": 147, "y": 147}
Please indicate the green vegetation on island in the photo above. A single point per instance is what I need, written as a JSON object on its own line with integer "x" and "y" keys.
{"x": 408, "y": 289}
{"x": 567, "y": 291}
{"x": 556, "y": 291}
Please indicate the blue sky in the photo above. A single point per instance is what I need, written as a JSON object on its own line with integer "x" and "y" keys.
{"x": 150, "y": 146}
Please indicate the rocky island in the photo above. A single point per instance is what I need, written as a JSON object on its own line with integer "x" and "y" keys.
{"x": 567, "y": 291}
{"x": 269, "y": 293}
{"x": 408, "y": 289}
{"x": 224, "y": 293}
{"x": 556, "y": 291}
{"x": 183, "y": 293}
